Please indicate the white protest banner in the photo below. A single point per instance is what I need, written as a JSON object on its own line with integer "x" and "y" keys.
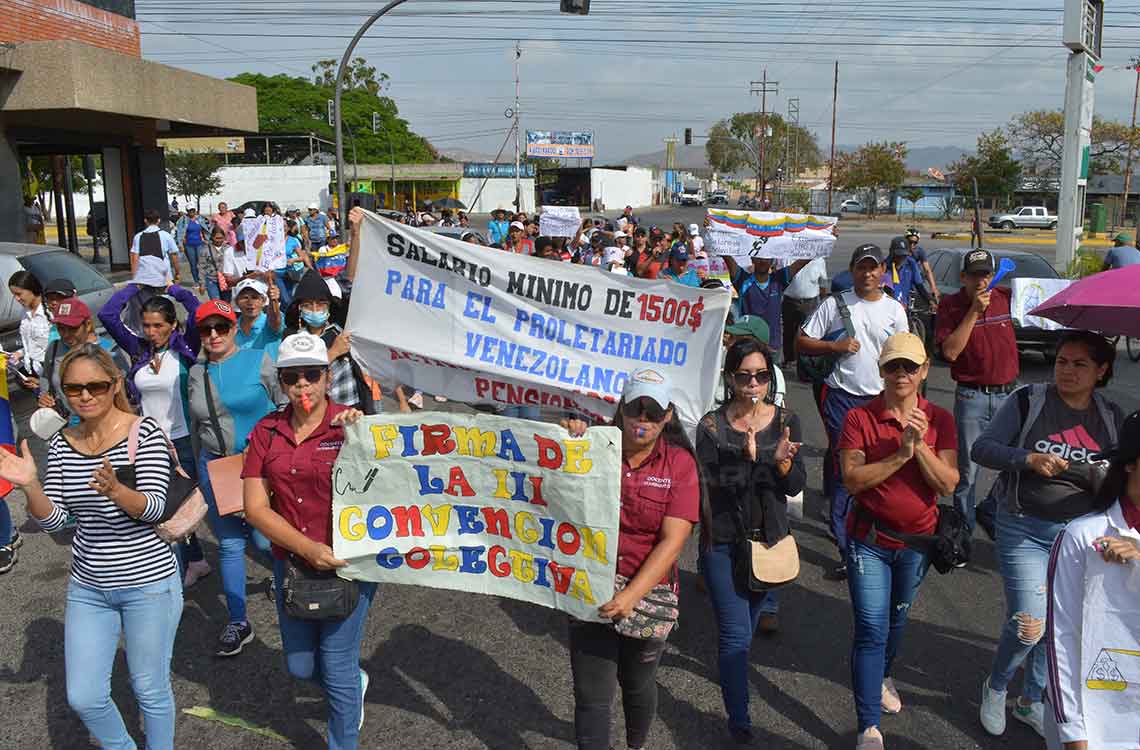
{"x": 764, "y": 234}
{"x": 487, "y": 327}
{"x": 474, "y": 502}
{"x": 1028, "y": 294}
{"x": 559, "y": 221}
{"x": 265, "y": 241}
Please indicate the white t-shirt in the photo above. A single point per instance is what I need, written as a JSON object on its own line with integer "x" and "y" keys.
{"x": 161, "y": 395}
{"x": 235, "y": 263}
{"x": 698, "y": 246}
{"x": 874, "y": 323}
{"x": 807, "y": 282}
{"x": 153, "y": 270}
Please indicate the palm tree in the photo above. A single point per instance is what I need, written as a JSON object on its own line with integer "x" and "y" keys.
{"x": 914, "y": 195}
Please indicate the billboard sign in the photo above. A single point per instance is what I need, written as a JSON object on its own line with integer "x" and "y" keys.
{"x": 560, "y": 144}
{"x": 486, "y": 169}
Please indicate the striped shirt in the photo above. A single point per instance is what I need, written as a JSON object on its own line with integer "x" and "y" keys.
{"x": 111, "y": 550}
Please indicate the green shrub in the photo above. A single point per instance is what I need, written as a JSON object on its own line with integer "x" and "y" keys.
{"x": 1085, "y": 263}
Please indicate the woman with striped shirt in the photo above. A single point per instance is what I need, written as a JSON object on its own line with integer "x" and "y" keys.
{"x": 124, "y": 579}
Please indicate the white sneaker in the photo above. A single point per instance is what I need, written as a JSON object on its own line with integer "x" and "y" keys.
{"x": 1033, "y": 715}
{"x": 870, "y": 739}
{"x": 992, "y": 712}
{"x": 890, "y": 701}
{"x": 363, "y": 690}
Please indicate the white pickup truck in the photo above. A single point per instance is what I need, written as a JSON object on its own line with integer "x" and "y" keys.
{"x": 692, "y": 195}
{"x": 1026, "y": 216}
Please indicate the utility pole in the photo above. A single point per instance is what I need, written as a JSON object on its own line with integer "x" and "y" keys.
{"x": 831, "y": 163}
{"x": 763, "y": 87}
{"x": 670, "y": 165}
{"x": 794, "y": 123}
{"x": 1135, "y": 64}
{"x": 518, "y": 181}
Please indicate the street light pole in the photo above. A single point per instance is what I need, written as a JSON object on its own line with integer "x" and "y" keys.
{"x": 1131, "y": 135}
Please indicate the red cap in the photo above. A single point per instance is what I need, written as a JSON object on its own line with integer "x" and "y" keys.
{"x": 212, "y": 308}
{"x": 72, "y": 312}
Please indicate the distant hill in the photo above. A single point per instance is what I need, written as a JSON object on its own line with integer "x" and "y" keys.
{"x": 463, "y": 154}
{"x": 692, "y": 158}
{"x": 922, "y": 158}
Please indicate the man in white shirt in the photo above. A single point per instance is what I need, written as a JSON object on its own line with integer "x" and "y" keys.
{"x": 698, "y": 245}
{"x": 801, "y": 298}
{"x": 855, "y": 380}
{"x": 154, "y": 255}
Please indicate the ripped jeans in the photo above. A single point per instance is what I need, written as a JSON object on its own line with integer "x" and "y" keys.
{"x": 1023, "y": 546}
{"x": 883, "y": 584}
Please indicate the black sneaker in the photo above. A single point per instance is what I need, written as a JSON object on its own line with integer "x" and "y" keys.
{"x": 233, "y": 638}
{"x": 7, "y": 558}
{"x": 17, "y": 540}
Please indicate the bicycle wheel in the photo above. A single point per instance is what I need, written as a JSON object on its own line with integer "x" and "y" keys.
{"x": 1133, "y": 347}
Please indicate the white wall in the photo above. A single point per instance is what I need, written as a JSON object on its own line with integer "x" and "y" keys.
{"x": 618, "y": 188}
{"x": 287, "y": 186}
{"x": 498, "y": 193}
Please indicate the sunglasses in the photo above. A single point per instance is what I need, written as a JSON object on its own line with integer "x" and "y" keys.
{"x": 647, "y": 406}
{"x": 95, "y": 388}
{"x": 904, "y": 364}
{"x": 292, "y": 377}
{"x": 205, "y": 330}
{"x": 743, "y": 377}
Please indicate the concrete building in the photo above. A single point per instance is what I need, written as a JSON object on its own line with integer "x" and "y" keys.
{"x": 72, "y": 82}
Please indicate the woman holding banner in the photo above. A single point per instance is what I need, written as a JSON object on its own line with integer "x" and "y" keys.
{"x": 287, "y": 482}
{"x": 660, "y": 502}
{"x": 748, "y": 453}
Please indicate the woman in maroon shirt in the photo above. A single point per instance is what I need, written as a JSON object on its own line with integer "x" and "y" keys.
{"x": 660, "y": 502}
{"x": 899, "y": 452}
{"x": 288, "y": 497}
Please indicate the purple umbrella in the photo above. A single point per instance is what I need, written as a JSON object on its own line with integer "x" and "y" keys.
{"x": 1108, "y": 302}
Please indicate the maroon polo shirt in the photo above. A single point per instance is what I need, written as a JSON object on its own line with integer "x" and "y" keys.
{"x": 299, "y": 476}
{"x": 665, "y": 485}
{"x": 904, "y": 502}
{"x": 1130, "y": 512}
{"x": 990, "y": 356}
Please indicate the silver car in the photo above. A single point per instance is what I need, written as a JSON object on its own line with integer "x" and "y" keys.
{"x": 46, "y": 263}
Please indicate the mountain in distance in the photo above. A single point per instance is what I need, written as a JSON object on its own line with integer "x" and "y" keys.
{"x": 922, "y": 158}
{"x": 688, "y": 158}
{"x": 692, "y": 158}
{"x": 465, "y": 155}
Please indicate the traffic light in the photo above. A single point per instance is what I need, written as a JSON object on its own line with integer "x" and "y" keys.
{"x": 688, "y": 136}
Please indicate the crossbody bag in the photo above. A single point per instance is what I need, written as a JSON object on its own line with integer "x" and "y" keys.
{"x": 818, "y": 367}
{"x": 224, "y": 472}
{"x": 185, "y": 505}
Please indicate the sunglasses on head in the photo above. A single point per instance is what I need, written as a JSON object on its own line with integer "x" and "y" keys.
{"x": 292, "y": 377}
{"x": 742, "y": 377}
{"x": 223, "y": 328}
{"x": 905, "y": 364}
{"x": 647, "y": 406}
{"x": 95, "y": 388}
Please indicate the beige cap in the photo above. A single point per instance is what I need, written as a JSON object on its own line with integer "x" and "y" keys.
{"x": 903, "y": 346}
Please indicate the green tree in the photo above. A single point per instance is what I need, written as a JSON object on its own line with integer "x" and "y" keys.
{"x": 297, "y": 106}
{"x": 36, "y": 175}
{"x": 1038, "y": 138}
{"x": 732, "y": 145}
{"x": 993, "y": 166}
{"x": 914, "y": 195}
{"x": 192, "y": 174}
{"x": 359, "y": 75}
{"x": 871, "y": 168}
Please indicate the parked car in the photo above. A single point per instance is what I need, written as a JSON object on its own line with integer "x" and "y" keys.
{"x": 693, "y": 196}
{"x": 718, "y": 198}
{"x": 947, "y": 267}
{"x": 852, "y": 206}
{"x": 1024, "y": 216}
{"x": 46, "y": 263}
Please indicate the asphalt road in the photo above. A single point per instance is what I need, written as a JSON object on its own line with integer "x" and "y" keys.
{"x": 462, "y": 671}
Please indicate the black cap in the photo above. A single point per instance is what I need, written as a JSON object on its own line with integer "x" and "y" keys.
{"x": 867, "y": 250}
{"x": 62, "y": 287}
{"x": 312, "y": 286}
{"x": 1127, "y": 448}
{"x": 978, "y": 261}
{"x": 899, "y": 246}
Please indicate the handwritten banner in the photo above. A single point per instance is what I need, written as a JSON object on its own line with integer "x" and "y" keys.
{"x": 765, "y": 234}
{"x": 559, "y": 221}
{"x": 1028, "y": 294}
{"x": 486, "y": 327}
{"x": 475, "y": 502}
{"x": 265, "y": 241}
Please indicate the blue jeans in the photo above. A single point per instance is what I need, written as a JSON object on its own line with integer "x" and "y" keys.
{"x": 836, "y": 404}
{"x": 533, "y": 413}
{"x": 192, "y": 258}
{"x": 213, "y": 291}
{"x": 232, "y": 533}
{"x": 147, "y": 618}
{"x": 737, "y": 614}
{"x": 5, "y": 523}
{"x": 973, "y": 411}
{"x": 883, "y": 585}
{"x": 1023, "y": 547}
{"x": 328, "y": 652}
{"x": 283, "y": 285}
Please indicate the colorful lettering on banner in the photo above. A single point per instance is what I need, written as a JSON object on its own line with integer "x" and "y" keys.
{"x": 483, "y": 504}
{"x": 487, "y": 327}
{"x": 265, "y": 241}
{"x": 765, "y": 234}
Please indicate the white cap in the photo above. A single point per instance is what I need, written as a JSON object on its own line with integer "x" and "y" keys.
{"x": 314, "y": 207}
{"x": 518, "y": 224}
{"x": 648, "y": 383}
{"x": 694, "y": 229}
{"x": 257, "y": 285}
{"x": 249, "y": 213}
{"x": 613, "y": 255}
{"x": 619, "y": 234}
{"x": 302, "y": 350}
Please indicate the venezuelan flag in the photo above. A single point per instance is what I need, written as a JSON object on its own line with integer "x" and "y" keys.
{"x": 7, "y": 436}
{"x": 331, "y": 260}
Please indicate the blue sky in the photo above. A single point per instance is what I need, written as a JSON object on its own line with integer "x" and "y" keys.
{"x": 635, "y": 71}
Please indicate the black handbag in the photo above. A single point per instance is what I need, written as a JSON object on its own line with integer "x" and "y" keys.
{"x": 311, "y": 594}
{"x": 181, "y": 487}
{"x": 948, "y": 547}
